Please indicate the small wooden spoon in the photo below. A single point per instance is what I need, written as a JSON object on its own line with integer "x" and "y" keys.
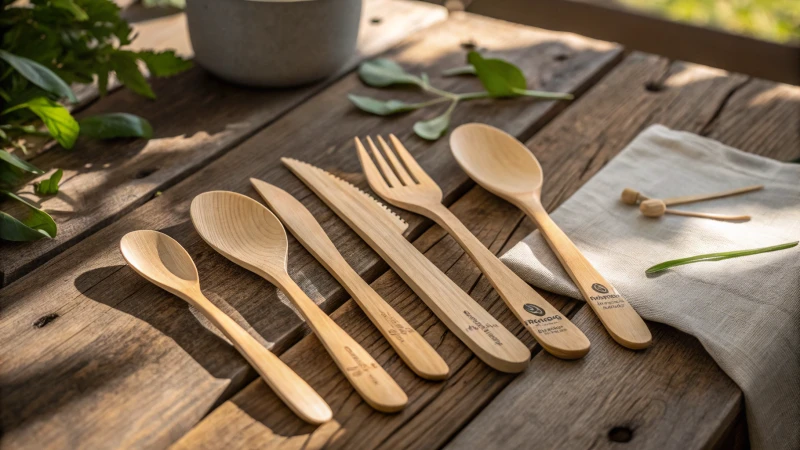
{"x": 632, "y": 197}
{"x": 247, "y": 233}
{"x": 657, "y": 208}
{"x": 504, "y": 166}
{"x": 165, "y": 263}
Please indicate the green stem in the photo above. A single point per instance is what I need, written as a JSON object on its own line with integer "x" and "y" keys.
{"x": 545, "y": 94}
{"x": 473, "y": 95}
{"x": 440, "y": 92}
{"x": 717, "y": 257}
{"x": 435, "y": 101}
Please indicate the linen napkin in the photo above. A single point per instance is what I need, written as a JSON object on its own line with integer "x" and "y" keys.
{"x": 745, "y": 311}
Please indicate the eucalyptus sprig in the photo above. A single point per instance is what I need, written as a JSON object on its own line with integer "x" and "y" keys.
{"x": 717, "y": 257}
{"x": 500, "y": 79}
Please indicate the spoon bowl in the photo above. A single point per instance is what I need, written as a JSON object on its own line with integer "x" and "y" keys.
{"x": 242, "y": 230}
{"x": 160, "y": 259}
{"x": 496, "y": 160}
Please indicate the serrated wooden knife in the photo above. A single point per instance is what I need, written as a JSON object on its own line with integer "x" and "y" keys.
{"x": 481, "y": 332}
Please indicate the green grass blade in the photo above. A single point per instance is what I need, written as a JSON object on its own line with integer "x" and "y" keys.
{"x": 717, "y": 256}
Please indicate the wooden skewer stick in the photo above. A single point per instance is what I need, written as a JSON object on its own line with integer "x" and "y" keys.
{"x": 633, "y": 197}
{"x": 657, "y": 208}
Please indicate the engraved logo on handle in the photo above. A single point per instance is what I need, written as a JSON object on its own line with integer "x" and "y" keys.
{"x": 600, "y": 288}
{"x": 533, "y": 309}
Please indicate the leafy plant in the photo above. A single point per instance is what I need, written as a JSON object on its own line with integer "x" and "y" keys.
{"x": 45, "y": 46}
{"x": 717, "y": 257}
{"x": 50, "y": 185}
{"x": 500, "y": 79}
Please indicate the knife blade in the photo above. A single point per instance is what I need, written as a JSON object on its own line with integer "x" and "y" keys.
{"x": 472, "y": 324}
{"x": 417, "y": 353}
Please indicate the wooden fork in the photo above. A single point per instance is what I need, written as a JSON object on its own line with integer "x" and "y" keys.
{"x": 405, "y": 185}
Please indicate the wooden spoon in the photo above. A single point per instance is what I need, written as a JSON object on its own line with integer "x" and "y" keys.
{"x": 247, "y": 233}
{"x": 165, "y": 263}
{"x": 657, "y": 208}
{"x": 505, "y": 167}
{"x": 633, "y": 197}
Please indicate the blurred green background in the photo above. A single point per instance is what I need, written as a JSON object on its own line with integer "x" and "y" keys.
{"x": 773, "y": 20}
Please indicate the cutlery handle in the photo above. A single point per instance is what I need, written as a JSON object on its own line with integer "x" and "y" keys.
{"x": 477, "y": 329}
{"x": 616, "y": 314}
{"x": 293, "y": 390}
{"x": 702, "y": 197}
{"x": 707, "y": 215}
{"x": 364, "y": 373}
{"x": 556, "y": 333}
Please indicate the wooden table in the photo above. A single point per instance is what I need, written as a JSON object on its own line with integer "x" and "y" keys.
{"x": 93, "y": 356}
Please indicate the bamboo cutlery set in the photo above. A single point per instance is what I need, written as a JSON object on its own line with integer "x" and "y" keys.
{"x": 252, "y": 236}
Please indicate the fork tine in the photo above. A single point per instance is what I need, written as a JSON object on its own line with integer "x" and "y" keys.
{"x": 387, "y": 171}
{"x": 374, "y": 177}
{"x": 411, "y": 163}
{"x": 399, "y": 168}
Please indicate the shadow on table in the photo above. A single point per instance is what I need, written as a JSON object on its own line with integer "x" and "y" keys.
{"x": 166, "y": 313}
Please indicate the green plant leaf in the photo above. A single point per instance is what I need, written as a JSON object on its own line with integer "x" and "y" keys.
{"x": 434, "y": 128}
{"x": 70, "y": 6}
{"x": 127, "y": 69}
{"x": 383, "y": 72}
{"x": 39, "y": 75}
{"x": 49, "y": 186}
{"x": 60, "y": 123}
{"x": 19, "y": 163}
{"x": 499, "y": 78}
{"x": 164, "y": 64}
{"x": 383, "y": 108}
{"x": 37, "y": 225}
{"x": 115, "y": 125}
{"x": 717, "y": 257}
{"x": 463, "y": 70}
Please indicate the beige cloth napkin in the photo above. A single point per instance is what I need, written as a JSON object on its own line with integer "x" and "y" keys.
{"x": 745, "y": 311}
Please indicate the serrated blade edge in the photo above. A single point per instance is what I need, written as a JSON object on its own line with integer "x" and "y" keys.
{"x": 388, "y": 216}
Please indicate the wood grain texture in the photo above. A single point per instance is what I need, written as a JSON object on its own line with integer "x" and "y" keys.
{"x": 162, "y": 261}
{"x": 87, "y": 376}
{"x": 196, "y": 118}
{"x": 642, "y": 395}
{"x": 421, "y": 194}
{"x": 247, "y": 233}
{"x": 512, "y": 172}
{"x": 410, "y": 345}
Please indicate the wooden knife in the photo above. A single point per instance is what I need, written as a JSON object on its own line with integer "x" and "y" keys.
{"x": 410, "y": 345}
{"x": 481, "y": 332}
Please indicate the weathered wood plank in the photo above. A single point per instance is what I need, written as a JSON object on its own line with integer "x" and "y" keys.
{"x": 641, "y": 398}
{"x": 196, "y": 119}
{"x": 127, "y": 364}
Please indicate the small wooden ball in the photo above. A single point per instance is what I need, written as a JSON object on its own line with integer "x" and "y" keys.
{"x": 630, "y": 197}
{"x": 653, "y": 208}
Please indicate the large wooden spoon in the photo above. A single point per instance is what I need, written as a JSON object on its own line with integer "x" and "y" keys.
{"x": 165, "y": 263}
{"x": 247, "y": 233}
{"x": 505, "y": 167}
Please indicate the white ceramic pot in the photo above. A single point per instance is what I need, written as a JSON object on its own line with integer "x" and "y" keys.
{"x": 273, "y": 43}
